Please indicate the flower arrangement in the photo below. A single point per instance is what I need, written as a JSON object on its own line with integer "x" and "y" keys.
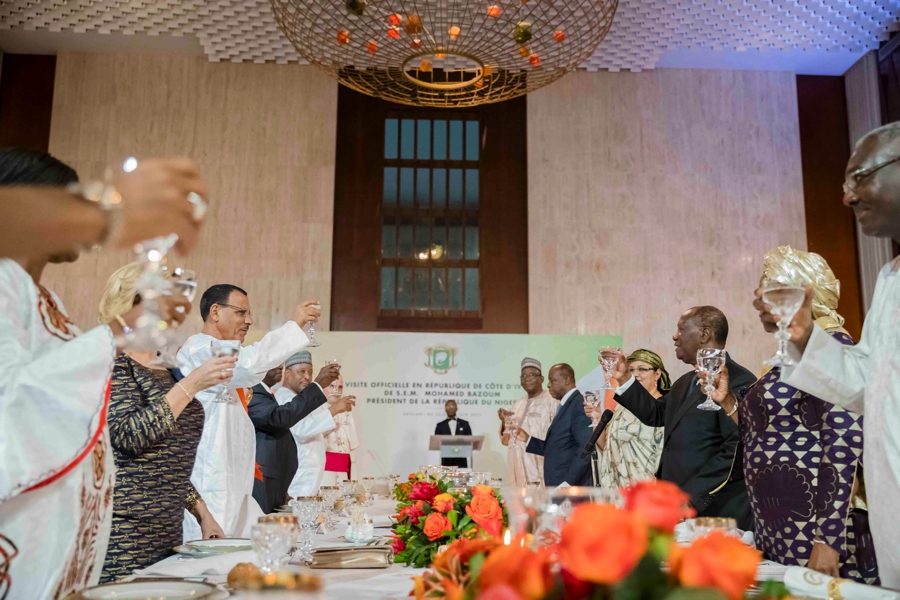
{"x": 603, "y": 552}
{"x": 430, "y": 516}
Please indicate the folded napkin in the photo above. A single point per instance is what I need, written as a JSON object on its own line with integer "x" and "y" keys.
{"x": 770, "y": 571}
{"x": 211, "y": 565}
{"x": 381, "y": 520}
{"x": 806, "y": 582}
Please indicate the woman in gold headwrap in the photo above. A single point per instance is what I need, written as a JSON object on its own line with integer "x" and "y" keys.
{"x": 802, "y": 456}
{"x": 630, "y": 450}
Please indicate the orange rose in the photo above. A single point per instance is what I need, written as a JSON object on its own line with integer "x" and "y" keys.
{"x": 435, "y": 526}
{"x": 662, "y": 504}
{"x": 482, "y": 490}
{"x": 601, "y": 543}
{"x": 442, "y": 503}
{"x": 486, "y": 511}
{"x": 462, "y": 549}
{"x": 524, "y": 570}
{"x": 716, "y": 561}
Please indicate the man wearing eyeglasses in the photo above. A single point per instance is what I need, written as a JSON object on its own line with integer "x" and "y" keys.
{"x": 534, "y": 412}
{"x": 225, "y": 467}
{"x": 864, "y": 378}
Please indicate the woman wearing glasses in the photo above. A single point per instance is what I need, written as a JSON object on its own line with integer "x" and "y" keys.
{"x": 630, "y": 450}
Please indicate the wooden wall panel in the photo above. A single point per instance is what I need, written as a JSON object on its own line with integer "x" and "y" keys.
{"x": 26, "y": 100}
{"x": 264, "y": 137}
{"x": 650, "y": 193}
{"x": 825, "y": 149}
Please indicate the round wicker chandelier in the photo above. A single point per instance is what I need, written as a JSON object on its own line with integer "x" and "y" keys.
{"x": 445, "y": 52}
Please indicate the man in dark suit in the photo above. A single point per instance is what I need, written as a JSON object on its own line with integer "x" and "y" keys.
{"x": 453, "y": 426}
{"x": 276, "y": 451}
{"x": 567, "y": 435}
{"x": 701, "y": 448}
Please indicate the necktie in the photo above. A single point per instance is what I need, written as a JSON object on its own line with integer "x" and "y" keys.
{"x": 558, "y": 408}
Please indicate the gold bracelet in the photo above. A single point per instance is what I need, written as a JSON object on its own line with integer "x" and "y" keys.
{"x": 189, "y": 397}
{"x": 734, "y": 410}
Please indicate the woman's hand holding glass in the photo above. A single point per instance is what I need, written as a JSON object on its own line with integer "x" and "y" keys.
{"x": 800, "y": 327}
{"x": 619, "y": 369}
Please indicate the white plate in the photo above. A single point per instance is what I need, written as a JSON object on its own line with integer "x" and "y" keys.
{"x": 221, "y": 545}
{"x": 157, "y": 590}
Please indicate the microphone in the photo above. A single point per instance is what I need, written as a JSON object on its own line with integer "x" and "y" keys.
{"x": 605, "y": 418}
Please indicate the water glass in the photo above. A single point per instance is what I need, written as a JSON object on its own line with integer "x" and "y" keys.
{"x": 293, "y": 525}
{"x": 329, "y": 493}
{"x": 703, "y": 526}
{"x": 306, "y": 509}
{"x": 223, "y": 349}
{"x": 785, "y": 301}
{"x": 271, "y": 542}
{"x": 710, "y": 361}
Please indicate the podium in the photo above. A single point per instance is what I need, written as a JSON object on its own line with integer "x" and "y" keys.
{"x": 457, "y": 446}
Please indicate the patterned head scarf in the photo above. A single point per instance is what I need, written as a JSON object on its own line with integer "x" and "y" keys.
{"x": 796, "y": 267}
{"x": 653, "y": 359}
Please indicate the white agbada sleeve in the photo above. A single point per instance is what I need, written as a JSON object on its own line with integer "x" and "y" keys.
{"x": 317, "y": 423}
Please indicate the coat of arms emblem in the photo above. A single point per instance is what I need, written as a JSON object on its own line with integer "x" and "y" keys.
{"x": 441, "y": 359}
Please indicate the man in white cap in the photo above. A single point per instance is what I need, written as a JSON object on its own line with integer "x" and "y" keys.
{"x": 225, "y": 467}
{"x": 534, "y": 412}
{"x": 309, "y": 434}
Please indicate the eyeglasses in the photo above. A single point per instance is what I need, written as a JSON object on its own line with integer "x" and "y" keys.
{"x": 240, "y": 312}
{"x": 635, "y": 370}
{"x": 527, "y": 377}
{"x": 855, "y": 179}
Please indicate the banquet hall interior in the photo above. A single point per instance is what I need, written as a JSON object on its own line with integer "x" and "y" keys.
{"x": 451, "y": 200}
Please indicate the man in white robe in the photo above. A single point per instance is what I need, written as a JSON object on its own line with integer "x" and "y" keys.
{"x": 225, "y": 466}
{"x": 340, "y": 442}
{"x": 865, "y": 378}
{"x": 309, "y": 434}
{"x": 534, "y": 412}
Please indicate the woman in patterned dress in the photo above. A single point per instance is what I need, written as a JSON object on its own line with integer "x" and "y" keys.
{"x": 630, "y": 450}
{"x": 802, "y": 456}
{"x": 155, "y": 426}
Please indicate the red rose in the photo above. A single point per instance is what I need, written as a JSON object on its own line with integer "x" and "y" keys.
{"x": 422, "y": 490}
{"x": 398, "y": 545}
{"x": 661, "y": 504}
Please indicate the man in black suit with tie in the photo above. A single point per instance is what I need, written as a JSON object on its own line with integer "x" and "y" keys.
{"x": 276, "y": 451}
{"x": 569, "y": 432}
{"x": 453, "y": 426}
{"x": 701, "y": 448}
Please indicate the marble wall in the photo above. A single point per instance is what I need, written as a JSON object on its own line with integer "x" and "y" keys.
{"x": 264, "y": 137}
{"x": 650, "y": 193}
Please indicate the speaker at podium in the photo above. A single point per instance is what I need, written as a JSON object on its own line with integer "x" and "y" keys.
{"x": 457, "y": 448}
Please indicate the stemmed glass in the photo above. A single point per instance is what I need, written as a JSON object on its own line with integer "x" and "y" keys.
{"x": 592, "y": 401}
{"x": 368, "y": 483}
{"x": 313, "y": 343}
{"x": 184, "y": 283}
{"x": 512, "y": 428}
{"x": 270, "y": 541}
{"x": 711, "y": 361}
{"x": 785, "y": 301}
{"x": 306, "y": 509}
{"x": 608, "y": 363}
{"x": 330, "y": 493}
{"x": 223, "y": 349}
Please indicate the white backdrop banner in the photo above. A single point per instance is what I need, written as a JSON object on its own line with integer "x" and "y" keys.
{"x": 402, "y": 380}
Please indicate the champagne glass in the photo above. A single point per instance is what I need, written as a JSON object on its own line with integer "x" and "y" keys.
{"x": 270, "y": 541}
{"x": 313, "y": 343}
{"x": 592, "y": 401}
{"x": 711, "y": 361}
{"x": 222, "y": 349}
{"x": 368, "y": 483}
{"x": 608, "y": 364}
{"x": 785, "y": 301}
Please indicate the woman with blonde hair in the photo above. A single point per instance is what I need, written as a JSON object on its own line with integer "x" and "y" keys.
{"x": 155, "y": 426}
{"x": 629, "y": 450}
{"x": 802, "y": 456}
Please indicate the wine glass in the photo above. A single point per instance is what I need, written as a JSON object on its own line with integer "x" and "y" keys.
{"x": 270, "y": 541}
{"x": 223, "y": 349}
{"x": 711, "y": 361}
{"x": 184, "y": 283}
{"x": 785, "y": 301}
{"x": 306, "y": 509}
{"x": 368, "y": 483}
{"x": 592, "y": 401}
{"x": 329, "y": 493}
{"x": 512, "y": 429}
{"x": 608, "y": 363}
{"x": 313, "y": 343}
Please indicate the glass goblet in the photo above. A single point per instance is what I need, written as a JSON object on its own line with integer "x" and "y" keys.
{"x": 271, "y": 542}
{"x": 512, "y": 429}
{"x": 592, "y": 401}
{"x": 183, "y": 283}
{"x": 785, "y": 301}
{"x": 293, "y": 525}
{"x": 368, "y": 483}
{"x": 313, "y": 343}
{"x": 608, "y": 363}
{"x": 306, "y": 509}
{"x": 330, "y": 494}
{"x": 711, "y": 361}
{"x": 223, "y": 349}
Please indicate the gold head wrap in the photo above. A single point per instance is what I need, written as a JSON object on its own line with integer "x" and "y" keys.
{"x": 653, "y": 359}
{"x": 796, "y": 267}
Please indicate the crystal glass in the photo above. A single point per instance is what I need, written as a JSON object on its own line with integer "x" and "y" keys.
{"x": 313, "y": 343}
{"x": 711, "y": 361}
{"x": 183, "y": 283}
{"x": 592, "y": 401}
{"x": 785, "y": 301}
{"x": 703, "y": 526}
{"x": 271, "y": 542}
{"x": 330, "y": 494}
{"x": 497, "y": 484}
{"x": 293, "y": 525}
{"x": 608, "y": 364}
{"x": 348, "y": 490}
{"x": 480, "y": 478}
{"x": 222, "y": 349}
{"x": 306, "y": 509}
{"x": 512, "y": 429}
{"x": 368, "y": 483}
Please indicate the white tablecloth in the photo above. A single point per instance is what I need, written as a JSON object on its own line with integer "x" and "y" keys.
{"x": 340, "y": 584}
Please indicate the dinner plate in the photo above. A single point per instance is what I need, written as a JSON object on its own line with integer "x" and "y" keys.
{"x": 157, "y": 590}
{"x": 221, "y": 545}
